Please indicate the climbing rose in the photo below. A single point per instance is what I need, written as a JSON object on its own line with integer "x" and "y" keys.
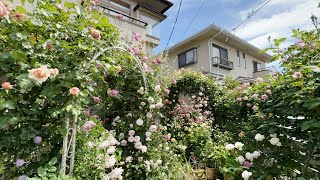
{"x": 256, "y": 154}
{"x": 136, "y": 36}
{"x": 19, "y": 163}
{"x": 246, "y": 164}
{"x": 139, "y": 122}
{"x": 119, "y": 16}
{"x": 113, "y": 92}
{"x": 264, "y": 97}
{"x": 96, "y": 99}
{"x": 167, "y": 91}
{"x": 95, "y": 33}
{"x": 301, "y": 44}
{"x": 229, "y": 146}
{"x": 246, "y": 175}
{"x": 136, "y": 51}
{"x": 238, "y": 99}
{"x": 157, "y": 88}
{"x": 74, "y": 91}
{"x": 19, "y": 16}
{"x": 313, "y": 45}
{"x": 240, "y": 159}
{"x": 296, "y": 75}
{"x": 22, "y": 177}
{"x": 249, "y": 156}
{"x": 87, "y": 126}
{"x": 268, "y": 91}
{"x": 144, "y": 58}
{"x": 54, "y": 72}
{"x": 249, "y": 105}
{"x": 238, "y": 145}
{"x": 6, "y": 85}
{"x": 275, "y": 141}
{"x": 255, "y": 108}
{"x": 255, "y": 96}
{"x": 37, "y": 139}
{"x": 153, "y": 128}
{"x": 259, "y": 80}
{"x": 39, "y": 74}
{"x": 3, "y": 10}
{"x": 259, "y": 137}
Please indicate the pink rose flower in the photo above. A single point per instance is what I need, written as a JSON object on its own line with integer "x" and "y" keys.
{"x": 136, "y": 36}
{"x": 246, "y": 164}
{"x": 239, "y": 99}
{"x": 166, "y": 91}
{"x": 249, "y": 105}
{"x": 255, "y": 96}
{"x": 6, "y": 85}
{"x": 314, "y": 45}
{"x": 19, "y": 16}
{"x": 95, "y": 116}
{"x": 95, "y": 33}
{"x": 39, "y": 74}
{"x": 54, "y": 71}
{"x": 255, "y": 108}
{"x": 3, "y": 10}
{"x": 88, "y": 126}
{"x": 87, "y": 113}
{"x": 37, "y": 139}
{"x": 19, "y": 163}
{"x": 297, "y": 75}
{"x": 136, "y": 51}
{"x": 264, "y": 97}
{"x": 113, "y": 92}
{"x": 174, "y": 81}
{"x": 74, "y": 91}
{"x": 158, "y": 61}
{"x": 96, "y": 99}
{"x": 268, "y": 91}
{"x": 167, "y": 137}
{"x": 301, "y": 44}
{"x": 144, "y": 59}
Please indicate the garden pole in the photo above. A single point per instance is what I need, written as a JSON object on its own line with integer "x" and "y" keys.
{"x": 73, "y": 145}
{"x": 65, "y": 148}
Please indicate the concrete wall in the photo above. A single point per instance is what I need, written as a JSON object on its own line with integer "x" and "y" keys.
{"x": 205, "y": 59}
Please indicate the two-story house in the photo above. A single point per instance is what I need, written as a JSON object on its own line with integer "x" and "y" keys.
{"x": 138, "y": 16}
{"x": 219, "y": 53}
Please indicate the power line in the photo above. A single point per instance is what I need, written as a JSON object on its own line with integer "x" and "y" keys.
{"x": 252, "y": 13}
{"x": 193, "y": 18}
{"x": 174, "y": 25}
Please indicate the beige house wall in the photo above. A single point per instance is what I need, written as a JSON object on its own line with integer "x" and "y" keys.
{"x": 204, "y": 56}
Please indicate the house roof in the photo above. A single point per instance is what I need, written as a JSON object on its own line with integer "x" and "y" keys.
{"x": 218, "y": 33}
{"x": 159, "y": 6}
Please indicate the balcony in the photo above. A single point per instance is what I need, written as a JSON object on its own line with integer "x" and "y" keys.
{"x": 263, "y": 72}
{"x": 113, "y": 13}
{"x": 222, "y": 63}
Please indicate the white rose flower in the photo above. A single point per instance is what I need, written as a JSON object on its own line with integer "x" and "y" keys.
{"x": 256, "y": 154}
{"x": 131, "y": 132}
{"x": 111, "y": 150}
{"x": 139, "y": 122}
{"x": 158, "y": 162}
{"x": 153, "y": 128}
{"x": 159, "y": 105}
{"x": 131, "y": 139}
{"x": 229, "y": 146}
{"x": 149, "y": 115}
{"x": 238, "y": 145}
{"x": 143, "y": 149}
{"x": 275, "y": 141}
{"x": 143, "y": 103}
{"x": 259, "y": 137}
{"x": 246, "y": 175}
{"x": 148, "y": 134}
{"x": 150, "y": 100}
{"x": 249, "y": 156}
{"x": 157, "y": 88}
{"x": 138, "y": 145}
{"x": 152, "y": 106}
{"x": 240, "y": 159}
{"x": 131, "y": 125}
{"x": 123, "y": 143}
{"x": 141, "y": 90}
{"x": 110, "y": 162}
{"x": 137, "y": 139}
{"x": 104, "y": 144}
{"x": 129, "y": 159}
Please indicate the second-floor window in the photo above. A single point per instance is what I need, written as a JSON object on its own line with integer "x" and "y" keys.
{"x": 256, "y": 66}
{"x": 238, "y": 58}
{"x": 187, "y": 57}
{"x": 244, "y": 60}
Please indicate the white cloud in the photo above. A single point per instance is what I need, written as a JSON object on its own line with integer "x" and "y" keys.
{"x": 277, "y": 19}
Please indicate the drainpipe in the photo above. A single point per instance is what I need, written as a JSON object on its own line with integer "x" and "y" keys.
{"x": 209, "y": 46}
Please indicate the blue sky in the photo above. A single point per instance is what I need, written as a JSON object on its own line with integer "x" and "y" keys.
{"x": 276, "y": 19}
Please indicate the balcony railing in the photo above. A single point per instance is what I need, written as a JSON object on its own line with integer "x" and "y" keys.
{"x": 223, "y": 63}
{"x": 113, "y": 13}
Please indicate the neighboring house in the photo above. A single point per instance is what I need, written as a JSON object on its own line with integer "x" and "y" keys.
{"x": 138, "y": 16}
{"x": 219, "y": 53}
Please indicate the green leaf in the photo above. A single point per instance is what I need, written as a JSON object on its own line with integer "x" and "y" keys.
{"x": 19, "y": 56}
{"x": 63, "y": 131}
{"x": 7, "y": 105}
{"x": 282, "y": 39}
{"x": 26, "y": 45}
{"x": 22, "y": 1}
{"x": 41, "y": 171}
{"x": 294, "y": 31}
{"x": 53, "y": 161}
{"x": 78, "y": 10}
{"x": 36, "y": 22}
{"x": 69, "y": 5}
{"x": 52, "y": 169}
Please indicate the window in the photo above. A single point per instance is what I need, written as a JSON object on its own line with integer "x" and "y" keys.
{"x": 244, "y": 60}
{"x": 187, "y": 57}
{"x": 256, "y": 66}
{"x": 238, "y": 58}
